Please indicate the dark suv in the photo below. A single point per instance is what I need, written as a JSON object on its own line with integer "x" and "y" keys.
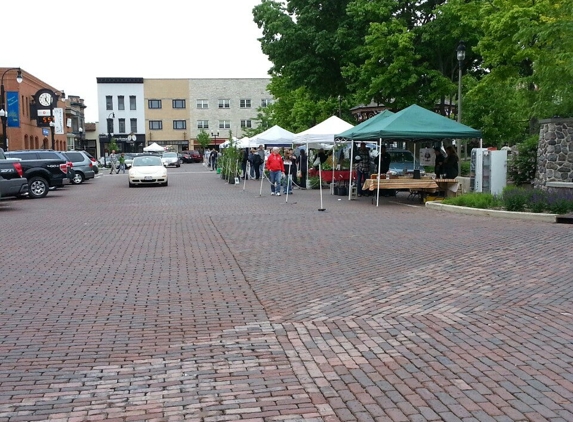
{"x": 44, "y": 169}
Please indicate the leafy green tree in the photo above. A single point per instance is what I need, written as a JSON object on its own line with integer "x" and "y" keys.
{"x": 112, "y": 146}
{"x": 203, "y": 139}
{"x": 497, "y": 108}
{"x": 264, "y": 121}
{"x": 518, "y": 66}
{"x": 300, "y": 39}
{"x": 528, "y": 45}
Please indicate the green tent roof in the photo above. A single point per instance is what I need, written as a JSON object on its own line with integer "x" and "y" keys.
{"x": 368, "y": 124}
{"x": 413, "y": 122}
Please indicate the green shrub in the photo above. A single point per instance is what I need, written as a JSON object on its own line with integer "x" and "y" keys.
{"x": 523, "y": 165}
{"x": 559, "y": 201}
{"x": 464, "y": 168}
{"x": 538, "y": 200}
{"x": 515, "y": 198}
{"x": 474, "y": 200}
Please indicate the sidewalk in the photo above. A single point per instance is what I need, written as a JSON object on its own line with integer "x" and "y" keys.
{"x": 204, "y": 301}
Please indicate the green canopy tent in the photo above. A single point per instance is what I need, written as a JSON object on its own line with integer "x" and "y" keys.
{"x": 413, "y": 123}
{"x": 366, "y": 125}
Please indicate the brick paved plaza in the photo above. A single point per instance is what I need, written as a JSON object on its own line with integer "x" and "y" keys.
{"x": 205, "y": 302}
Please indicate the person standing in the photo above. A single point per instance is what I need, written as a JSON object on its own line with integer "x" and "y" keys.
{"x": 213, "y": 157}
{"x": 439, "y": 162}
{"x": 322, "y": 157}
{"x": 362, "y": 167}
{"x": 121, "y": 161}
{"x": 261, "y": 152}
{"x": 303, "y": 166}
{"x": 252, "y": 154}
{"x": 385, "y": 160}
{"x": 244, "y": 161}
{"x": 256, "y": 163}
{"x": 290, "y": 165}
{"x": 207, "y": 158}
{"x": 451, "y": 163}
{"x": 113, "y": 161}
{"x": 276, "y": 171}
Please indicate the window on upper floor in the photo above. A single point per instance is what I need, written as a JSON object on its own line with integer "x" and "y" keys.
{"x": 155, "y": 125}
{"x": 246, "y": 123}
{"x": 224, "y": 124}
{"x": 224, "y": 103}
{"x": 178, "y": 103}
{"x": 265, "y": 102}
{"x": 202, "y": 124}
{"x": 133, "y": 125}
{"x": 179, "y": 124}
{"x": 202, "y": 104}
{"x": 245, "y": 103}
{"x": 132, "y": 103}
{"x": 154, "y": 104}
{"x": 121, "y": 123}
{"x": 120, "y": 102}
{"x": 108, "y": 102}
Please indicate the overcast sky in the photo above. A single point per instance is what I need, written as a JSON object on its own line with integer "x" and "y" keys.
{"x": 68, "y": 44}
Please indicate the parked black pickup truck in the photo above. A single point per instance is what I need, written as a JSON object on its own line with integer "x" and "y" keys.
{"x": 12, "y": 182}
{"x": 43, "y": 169}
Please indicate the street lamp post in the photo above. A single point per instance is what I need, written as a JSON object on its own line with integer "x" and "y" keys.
{"x": 3, "y": 108}
{"x": 461, "y": 54}
{"x": 340, "y": 106}
{"x": 52, "y": 130}
{"x": 214, "y": 136}
{"x": 81, "y": 130}
{"x": 110, "y": 118}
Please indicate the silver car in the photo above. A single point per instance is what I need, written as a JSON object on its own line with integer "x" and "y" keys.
{"x": 171, "y": 159}
{"x": 129, "y": 159}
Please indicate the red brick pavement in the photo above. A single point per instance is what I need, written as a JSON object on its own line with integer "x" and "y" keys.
{"x": 204, "y": 301}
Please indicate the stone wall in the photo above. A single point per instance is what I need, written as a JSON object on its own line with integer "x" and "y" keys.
{"x": 554, "y": 152}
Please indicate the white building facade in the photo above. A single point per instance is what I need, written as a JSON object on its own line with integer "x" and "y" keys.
{"x": 172, "y": 113}
{"x": 121, "y": 113}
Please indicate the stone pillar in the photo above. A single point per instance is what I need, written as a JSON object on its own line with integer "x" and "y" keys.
{"x": 554, "y": 152}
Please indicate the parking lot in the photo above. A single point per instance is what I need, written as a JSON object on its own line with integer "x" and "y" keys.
{"x": 205, "y": 301}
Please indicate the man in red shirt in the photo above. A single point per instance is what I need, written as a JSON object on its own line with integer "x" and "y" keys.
{"x": 276, "y": 171}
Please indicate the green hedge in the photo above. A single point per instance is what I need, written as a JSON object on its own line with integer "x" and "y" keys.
{"x": 514, "y": 198}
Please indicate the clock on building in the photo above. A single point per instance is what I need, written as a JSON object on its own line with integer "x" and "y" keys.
{"x": 45, "y": 98}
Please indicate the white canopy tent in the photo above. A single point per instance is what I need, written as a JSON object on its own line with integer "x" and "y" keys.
{"x": 275, "y": 136}
{"x": 154, "y": 147}
{"x": 322, "y": 135}
{"x": 245, "y": 142}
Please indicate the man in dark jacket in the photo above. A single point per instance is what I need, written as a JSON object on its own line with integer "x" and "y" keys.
{"x": 384, "y": 160}
{"x": 439, "y": 163}
{"x": 362, "y": 159}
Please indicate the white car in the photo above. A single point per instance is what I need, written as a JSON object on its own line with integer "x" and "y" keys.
{"x": 147, "y": 170}
{"x": 171, "y": 159}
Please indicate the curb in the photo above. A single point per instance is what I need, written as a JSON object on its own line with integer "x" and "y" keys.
{"x": 529, "y": 216}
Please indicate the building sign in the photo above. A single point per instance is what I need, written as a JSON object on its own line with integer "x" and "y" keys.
{"x": 13, "y": 109}
{"x": 59, "y": 121}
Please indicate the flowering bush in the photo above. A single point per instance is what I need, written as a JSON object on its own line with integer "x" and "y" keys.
{"x": 556, "y": 201}
{"x": 514, "y": 198}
